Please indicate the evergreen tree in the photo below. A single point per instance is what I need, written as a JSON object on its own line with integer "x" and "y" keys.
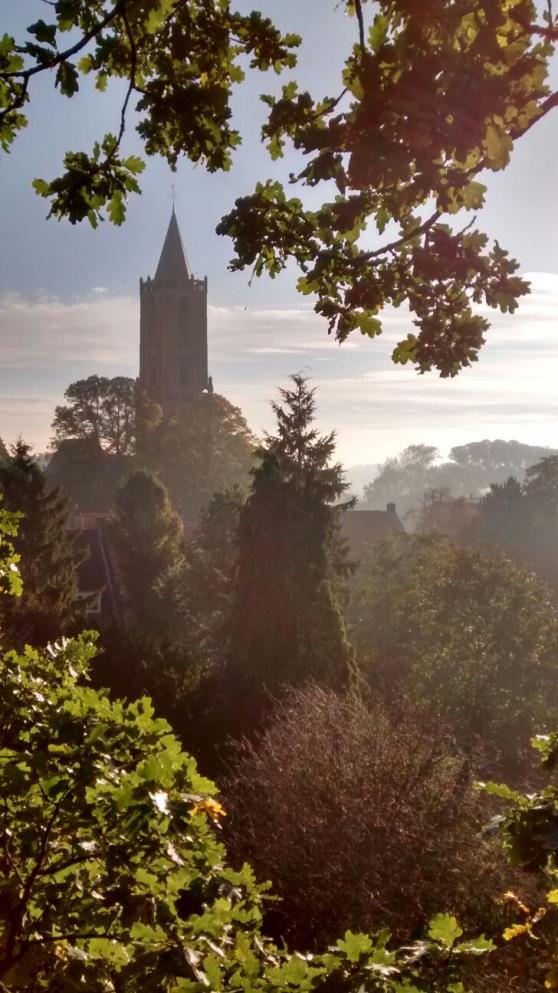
{"x": 50, "y": 559}
{"x": 286, "y": 626}
{"x": 210, "y": 576}
{"x": 150, "y": 653}
{"x": 147, "y": 537}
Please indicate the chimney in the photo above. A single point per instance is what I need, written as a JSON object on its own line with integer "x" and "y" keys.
{"x": 391, "y": 508}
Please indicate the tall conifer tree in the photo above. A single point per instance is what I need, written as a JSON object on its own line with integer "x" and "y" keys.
{"x": 49, "y": 559}
{"x": 286, "y": 626}
{"x": 210, "y": 576}
{"x": 150, "y": 653}
{"x": 147, "y": 536}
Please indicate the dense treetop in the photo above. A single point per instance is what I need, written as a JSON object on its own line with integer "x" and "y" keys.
{"x": 432, "y": 94}
{"x": 203, "y": 447}
{"x": 101, "y": 409}
{"x": 463, "y": 632}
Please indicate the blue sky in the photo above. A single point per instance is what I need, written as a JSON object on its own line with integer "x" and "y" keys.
{"x": 68, "y": 295}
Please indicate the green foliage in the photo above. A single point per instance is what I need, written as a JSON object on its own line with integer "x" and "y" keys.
{"x": 178, "y": 641}
{"x": 466, "y": 633}
{"x": 530, "y": 830}
{"x": 99, "y": 409}
{"x": 113, "y": 875}
{"x": 286, "y": 626}
{"x": 530, "y": 826}
{"x": 10, "y": 577}
{"x": 50, "y": 604}
{"x": 210, "y": 575}
{"x": 90, "y": 183}
{"x": 440, "y": 513}
{"x": 430, "y": 96}
{"x": 542, "y": 479}
{"x": 147, "y": 537}
{"x": 204, "y": 447}
{"x": 94, "y": 440}
{"x": 181, "y": 63}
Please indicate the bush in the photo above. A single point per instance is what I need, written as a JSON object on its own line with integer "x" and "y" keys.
{"x": 110, "y": 864}
{"x": 361, "y": 819}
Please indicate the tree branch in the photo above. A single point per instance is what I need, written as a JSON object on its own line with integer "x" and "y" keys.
{"x": 550, "y": 32}
{"x": 26, "y": 74}
{"x": 360, "y": 19}
{"x": 467, "y": 227}
{"x": 331, "y": 104}
{"x": 545, "y": 107}
{"x": 131, "y": 84}
{"x": 8, "y": 957}
{"x": 6, "y": 848}
{"x": 413, "y": 233}
{"x": 70, "y": 936}
{"x": 17, "y": 102}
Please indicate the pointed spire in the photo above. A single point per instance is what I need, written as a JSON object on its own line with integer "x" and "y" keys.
{"x": 173, "y": 267}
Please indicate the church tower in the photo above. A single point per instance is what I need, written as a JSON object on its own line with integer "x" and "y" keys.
{"x": 173, "y": 329}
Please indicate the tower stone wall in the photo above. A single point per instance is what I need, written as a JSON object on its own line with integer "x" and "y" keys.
{"x": 173, "y": 329}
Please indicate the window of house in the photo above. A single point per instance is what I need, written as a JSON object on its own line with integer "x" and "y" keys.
{"x": 93, "y": 601}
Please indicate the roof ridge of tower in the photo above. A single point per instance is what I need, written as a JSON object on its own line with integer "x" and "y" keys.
{"x": 173, "y": 264}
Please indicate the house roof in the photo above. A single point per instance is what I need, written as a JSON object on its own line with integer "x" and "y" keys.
{"x": 173, "y": 267}
{"x": 96, "y": 573}
{"x": 92, "y": 572}
{"x": 365, "y": 527}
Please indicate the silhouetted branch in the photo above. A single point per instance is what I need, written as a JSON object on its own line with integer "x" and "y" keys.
{"x": 360, "y": 19}
{"x": 131, "y": 84}
{"x": 26, "y": 74}
{"x": 412, "y": 233}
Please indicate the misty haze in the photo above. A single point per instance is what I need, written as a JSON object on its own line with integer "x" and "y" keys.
{"x": 278, "y": 496}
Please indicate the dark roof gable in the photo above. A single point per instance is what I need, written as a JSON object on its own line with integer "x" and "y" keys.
{"x": 365, "y": 527}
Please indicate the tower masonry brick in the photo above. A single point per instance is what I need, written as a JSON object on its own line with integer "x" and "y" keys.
{"x": 173, "y": 329}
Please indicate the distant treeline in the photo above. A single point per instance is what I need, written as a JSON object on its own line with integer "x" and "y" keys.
{"x": 468, "y": 472}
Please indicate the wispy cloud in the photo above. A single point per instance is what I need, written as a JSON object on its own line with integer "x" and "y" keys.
{"x": 44, "y": 332}
{"x": 376, "y": 407}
